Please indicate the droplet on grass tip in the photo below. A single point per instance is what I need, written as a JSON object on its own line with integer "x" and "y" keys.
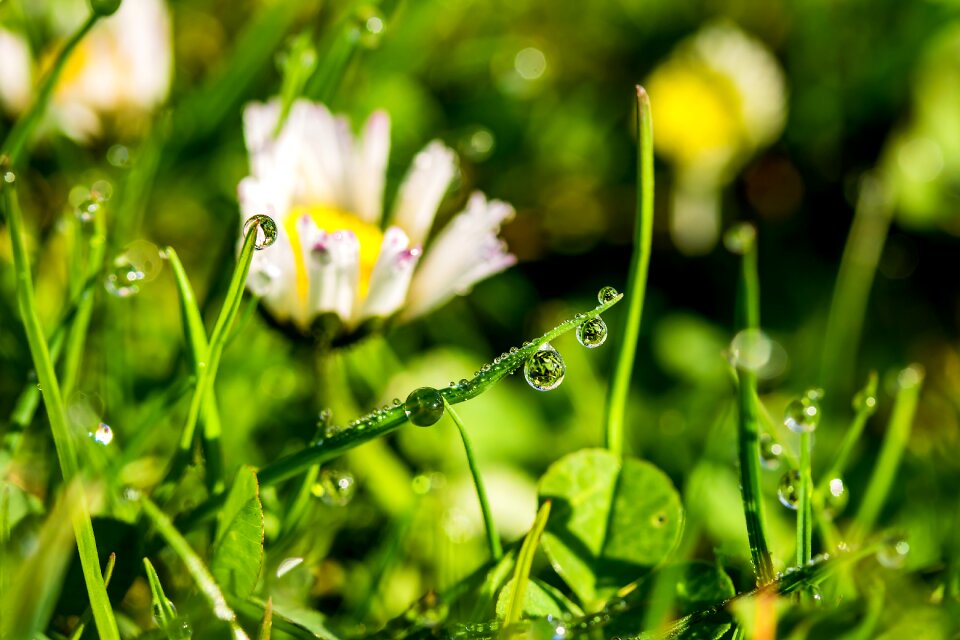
{"x": 544, "y": 369}
{"x": 335, "y": 488}
{"x": 836, "y": 497}
{"x": 103, "y": 435}
{"x": 424, "y": 406}
{"x": 123, "y": 279}
{"x": 370, "y": 26}
{"x": 740, "y": 238}
{"x": 87, "y": 211}
{"x": 789, "y": 490}
{"x": 606, "y": 294}
{"x": 592, "y": 333}
{"x": 771, "y": 452}
{"x": 893, "y": 553}
{"x": 266, "y": 230}
{"x": 803, "y": 414}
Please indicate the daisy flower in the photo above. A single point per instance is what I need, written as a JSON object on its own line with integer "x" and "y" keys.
{"x": 336, "y": 252}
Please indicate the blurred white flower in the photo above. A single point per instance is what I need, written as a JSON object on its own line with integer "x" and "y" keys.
{"x": 324, "y": 187}
{"x": 123, "y": 65}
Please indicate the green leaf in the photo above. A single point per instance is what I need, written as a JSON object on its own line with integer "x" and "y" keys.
{"x": 238, "y": 545}
{"x": 612, "y": 520}
{"x": 541, "y": 600}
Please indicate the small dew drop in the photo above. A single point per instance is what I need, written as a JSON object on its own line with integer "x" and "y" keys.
{"x": 803, "y": 414}
{"x": 87, "y": 211}
{"x": 771, "y": 452}
{"x": 266, "y": 230}
{"x": 335, "y": 488}
{"x": 424, "y": 406}
{"x": 606, "y": 295}
{"x": 103, "y": 435}
{"x": 836, "y": 498}
{"x": 865, "y": 402}
{"x": 592, "y": 333}
{"x": 544, "y": 369}
{"x": 123, "y": 279}
{"x": 740, "y": 238}
{"x": 893, "y": 553}
{"x": 789, "y": 490}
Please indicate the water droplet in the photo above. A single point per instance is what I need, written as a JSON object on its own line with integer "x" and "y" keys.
{"x": 865, "y": 402}
{"x": 789, "y": 489}
{"x": 118, "y": 155}
{"x": 463, "y": 382}
{"x": 606, "y": 294}
{"x": 123, "y": 279}
{"x": 103, "y": 435}
{"x": 101, "y": 191}
{"x": 893, "y": 553}
{"x": 424, "y": 406}
{"x": 836, "y": 497}
{"x": 816, "y": 594}
{"x": 544, "y": 370}
{"x": 335, "y": 488}
{"x": 370, "y": 26}
{"x": 740, "y": 238}
{"x": 910, "y": 376}
{"x": 592, "y": 333}
{"x": 750, "y": 349}
{"x": 803, "y": 413}
{"x": 9, "y": 177}
{"x": 87, "y": 211}
{"x": 266, "y": 230}
{"x": 771, "y": 452}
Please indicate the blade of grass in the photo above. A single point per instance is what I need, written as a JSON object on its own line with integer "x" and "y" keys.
{"x": 637, "y": 281}
{"x": 804, "y": 506}
{"x": 493, "y": 539}
{"x": 379, "y": 423}
{"x": 66, "y": 453}
{"x": 864, "y": 410}
{"x": 884, "y": 473}
{"x": 521, "y": 572}
{"x": 88, "y": 613}
{"x": 15, "y": 143}
{"x": 267, "y": 625}
{"x": 199, "y": 352}
{"x": 748, "y": 440}
{"x": 195, "y": 567}
{"x": 163, "y": 611}
{"x": 207, "y": 370}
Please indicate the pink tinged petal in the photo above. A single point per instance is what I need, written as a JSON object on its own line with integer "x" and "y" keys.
{"x": 273, "y": 277}
{"x": 423, "y": 189}
{"x": 333, "y": 269}
{"x": 467, "y": 251}
{"x": 369, "y": 170}
{"x": 391, "y": 275}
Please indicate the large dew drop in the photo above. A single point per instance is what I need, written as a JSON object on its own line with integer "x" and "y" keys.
{"x": 803, "y": 414}
{"x": 266, "y": 230}
{"x": 544, "y": 370}
{"x": 424, "y": 406}
{"x": 789, "y": 489}
{"x": 335, "y": 488}
{"x": 606, "y": 294}
{"x": 592, "y": 333}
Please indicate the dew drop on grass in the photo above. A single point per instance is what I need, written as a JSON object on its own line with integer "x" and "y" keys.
{"x": 865, "y": 402}
{"x": 789, "y": 490}
{"x": 370, "y": 26}
{"x": 335, "y": 488}
{"x": 893, "y": 552}
{"x": 103, "y": 435}
{"x": 771, "y": 452}
{"x": 836, "y": 497}
{"x": 123, "y": 279}
{"x": 266, "y": 230}
{"x": 740, "y": 238}
{"x": 803, "y": 414}
{"x": 424, "y": 406}
{"x": 606, "y": 294}
{"x": 9, "y": 177}
{"x": 592, "y": 333}
{"x": 87, "y": 211}
{"x": 544, "y": 370}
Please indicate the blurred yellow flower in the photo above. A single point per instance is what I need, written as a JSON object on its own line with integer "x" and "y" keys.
{"x": 324, "y": 187}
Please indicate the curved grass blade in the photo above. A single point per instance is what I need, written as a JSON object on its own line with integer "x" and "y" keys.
{"x": 637, "y": 282}
{"x": 521, "y": 572}
{"x": 493, "y": 539}
{"x": 195, "y": 567}
{"x": 53, "y": 401}
{"x": 381, "y": 422}
{"x": 88, "y": 614}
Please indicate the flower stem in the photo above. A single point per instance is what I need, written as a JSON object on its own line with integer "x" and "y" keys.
{"x": 493, "y": 540}
{"x": 53, "y": 401}
{"x": 748, "y": 442}
{"x": 637, "y": 281}
{"x": 17, "y": 139}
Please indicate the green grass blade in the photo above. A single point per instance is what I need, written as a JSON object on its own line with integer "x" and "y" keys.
{"x": 637, "y": 282}
{"x": 163, "y": 611}
{"x": 195, "y": 567}
{"x": 493, "y": 538}
{"x": 88, "y": 614}
{"x": 894, "y": 443}
{"x": 804, "y": 507}
{"x": 521, "y": 572}
{"x": 748, "y": 441}
{"x": 266, "y": 626}
{"x": 864, "y": 410}
{"x": 19, "y": 135}
{"x": 380, "y": 423}
{"x": 66, "y": 453}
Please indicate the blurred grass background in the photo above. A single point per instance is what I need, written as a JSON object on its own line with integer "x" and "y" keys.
{"x": 537, "y": 99}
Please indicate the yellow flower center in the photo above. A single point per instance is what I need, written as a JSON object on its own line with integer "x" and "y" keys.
{"x": 331, "y": 219}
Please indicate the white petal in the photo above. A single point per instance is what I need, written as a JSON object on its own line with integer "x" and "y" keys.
{"x": 317, "y": 144}
{"x": 16, "y": 72}
{"x": 369, "y": 170}
{"x": 334, "y": 269}
{"x": 391, "y": 275}
{"x": 466, "y": 251}
{"x": 273, "y": 277}
{"x": 423, "y": 189}
{"x": 142, "y": 30}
